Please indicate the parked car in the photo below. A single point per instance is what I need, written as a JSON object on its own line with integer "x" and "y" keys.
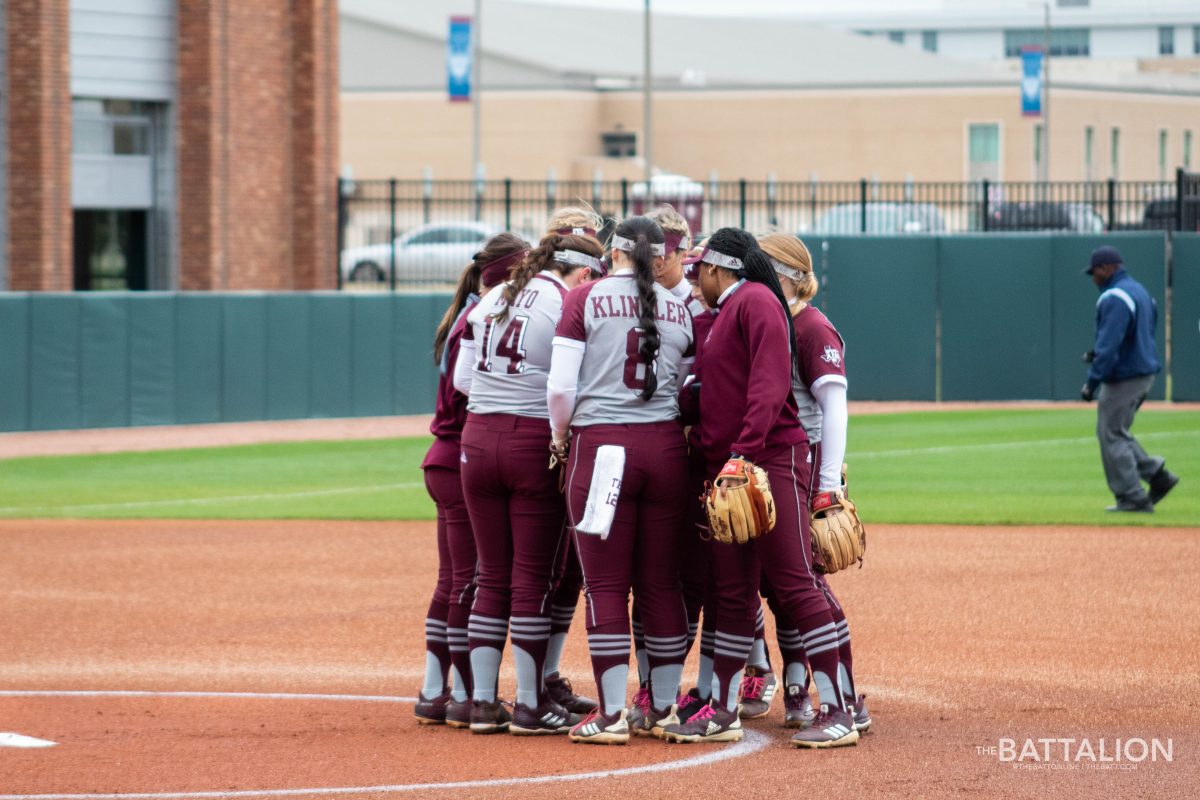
{"x": 883, "y": 219}
{"x": 437, "y": 251}
{"x": 1161, "y": 213}
{"x": 1077, "y": 217}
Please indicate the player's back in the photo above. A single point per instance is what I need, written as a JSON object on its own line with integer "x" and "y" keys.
{"x": 512, "y": 355}
{"x": 605, "y": 316}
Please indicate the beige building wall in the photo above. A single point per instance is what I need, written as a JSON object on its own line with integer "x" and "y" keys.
{"x": 836, "y": 135}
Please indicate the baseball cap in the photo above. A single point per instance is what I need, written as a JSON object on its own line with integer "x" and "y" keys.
{"x": 691, "y": 265}
{"x": 1103, "y": 255}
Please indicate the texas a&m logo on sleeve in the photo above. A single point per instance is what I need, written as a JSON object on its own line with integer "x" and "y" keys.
{"x": 832, "y": 356}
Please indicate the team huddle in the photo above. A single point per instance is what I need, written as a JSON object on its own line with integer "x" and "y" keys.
{"x": 586, "y": 400}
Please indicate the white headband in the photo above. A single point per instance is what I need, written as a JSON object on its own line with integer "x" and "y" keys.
{"x": 627, "y": 245}
{"x": 785, "y": 270}
{"x": 578, "y": 259}
{"x": 711, "y": 256}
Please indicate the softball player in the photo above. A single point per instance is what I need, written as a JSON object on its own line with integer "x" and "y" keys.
{"x": 747, "y": 410}
{"x": 695, "y": 568}
{"x": 580, "y": 222}
{"x": 820, "y": 391}
{"x": 514, "y": 502}
{"x": 619, "y": 353}
{"x": 669, "y": 274}
{"x": 446, "y": 621}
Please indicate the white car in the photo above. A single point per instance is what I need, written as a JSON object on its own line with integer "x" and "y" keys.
{"x": 436, "y": 252}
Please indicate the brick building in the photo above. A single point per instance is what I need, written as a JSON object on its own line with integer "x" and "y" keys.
{"x": 163, "y": 144}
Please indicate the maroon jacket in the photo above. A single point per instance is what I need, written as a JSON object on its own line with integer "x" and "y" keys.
{"x": 747, "y": 405}
{"x": 451, "y": 412}
{"x": 689, "y": 396}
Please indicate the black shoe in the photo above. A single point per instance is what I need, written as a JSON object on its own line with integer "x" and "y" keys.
{"x": 1162, "y": 482}
{"x": 1143, "y": 506}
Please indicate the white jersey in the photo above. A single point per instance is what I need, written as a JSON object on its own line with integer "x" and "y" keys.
{"x": 604, "y": 316}
{"x": 512, "y": 356}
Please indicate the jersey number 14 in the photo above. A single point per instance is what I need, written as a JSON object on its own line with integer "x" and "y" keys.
{"x": 509, "y": 344}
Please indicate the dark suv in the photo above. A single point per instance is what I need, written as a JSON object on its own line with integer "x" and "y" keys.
{"x": 1078, "y": 217}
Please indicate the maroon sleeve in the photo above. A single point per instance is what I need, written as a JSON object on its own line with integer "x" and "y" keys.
{"x": 770, "y": 382}
{"x": 820, "y": 347}
{"x": 701, "y": 324}
{"x": 571, "y": 326}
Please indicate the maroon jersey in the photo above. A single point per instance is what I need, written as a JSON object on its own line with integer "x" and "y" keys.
{"x": 746, "y": 401}
{"x": 450, "y": 414}
{"x": 822, "y": 360}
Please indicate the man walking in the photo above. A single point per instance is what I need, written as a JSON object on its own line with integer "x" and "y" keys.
{"x": 1124, "y": 362}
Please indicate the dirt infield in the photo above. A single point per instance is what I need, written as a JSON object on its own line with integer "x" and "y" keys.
{"x": 964, "y": 637}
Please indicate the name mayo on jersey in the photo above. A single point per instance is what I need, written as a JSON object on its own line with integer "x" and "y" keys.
{"x": 624, "y": 305}
{"x": 512, "y": 355}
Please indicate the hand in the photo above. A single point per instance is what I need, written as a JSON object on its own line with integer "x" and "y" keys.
{"x": 827, "y": 503}
{"x": 1087, "y": 393}
{"x": 558, "y": 452}
{"x": 734, "y": 471}
{"x": 1089, "y": 356}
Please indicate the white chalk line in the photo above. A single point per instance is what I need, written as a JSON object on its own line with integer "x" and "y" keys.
{"x": 383, "y": 487}
{"x": 752, "y": 743}
{"x": 360, "y": 698}
{"x": 1004, "y": 445}
{"x": 16, "y": 740}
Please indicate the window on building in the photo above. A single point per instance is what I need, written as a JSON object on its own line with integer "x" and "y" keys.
{"x": 110, "y": 127}
{"x": 110, "y": 249}
{"x": 929, "y": 41}
{"x": 619, "y": 144}
{"x": 1114, "y": 164}
{"x": 1187, "y": 150}
{"x": 1162, "y": 154}
{"x": 1196, "y": 39}
{"x": 1089, "y": 135}
{"x": 896, "y": 36}
{"x": 1166, "y": 41}
{"x": 983, "y": 151}
{"x": 1072, "y": 42}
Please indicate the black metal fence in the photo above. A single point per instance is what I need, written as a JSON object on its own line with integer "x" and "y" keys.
{"x": 425, "y": 231}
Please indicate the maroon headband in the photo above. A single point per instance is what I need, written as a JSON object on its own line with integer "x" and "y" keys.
{"x": 577, "y": 232}
{"x": 495, "y": 272}
{"x": 672, "y": 241}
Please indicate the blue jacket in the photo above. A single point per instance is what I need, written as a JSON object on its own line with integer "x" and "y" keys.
{"x": 1126, "y": 316}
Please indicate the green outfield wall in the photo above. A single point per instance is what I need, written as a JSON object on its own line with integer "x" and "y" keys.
{"x": 1185, "y": 317}
{"x": 116, "y": 359}
{"x": 987, "y": 317}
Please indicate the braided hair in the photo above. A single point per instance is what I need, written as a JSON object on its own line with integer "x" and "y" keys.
{"x": 645, "y": 233}
{"x": 499, "y": 246}
{"x": 757, "y": 268}
{"x": 542, "y": 258}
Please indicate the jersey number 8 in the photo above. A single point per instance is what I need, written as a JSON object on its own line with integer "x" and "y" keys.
{"x": 633, "y": 361}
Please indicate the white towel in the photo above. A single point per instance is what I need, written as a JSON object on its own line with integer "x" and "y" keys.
{"x": 604, "y": 492}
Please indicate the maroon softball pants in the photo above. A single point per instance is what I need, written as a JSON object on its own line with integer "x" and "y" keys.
{"x": 517, "y": 514}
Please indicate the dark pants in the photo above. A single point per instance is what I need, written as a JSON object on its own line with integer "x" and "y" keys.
{"x": 1126, "y": 464}
{"x": 516, "y": 512}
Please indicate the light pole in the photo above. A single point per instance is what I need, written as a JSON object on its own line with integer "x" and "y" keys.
{"x": 647, "y": 113}
{"x": 1045, "y": 165}
{"x": 477, "y": 70}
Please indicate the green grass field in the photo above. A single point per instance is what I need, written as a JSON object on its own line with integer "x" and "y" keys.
{"x": 963, "y": 467}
